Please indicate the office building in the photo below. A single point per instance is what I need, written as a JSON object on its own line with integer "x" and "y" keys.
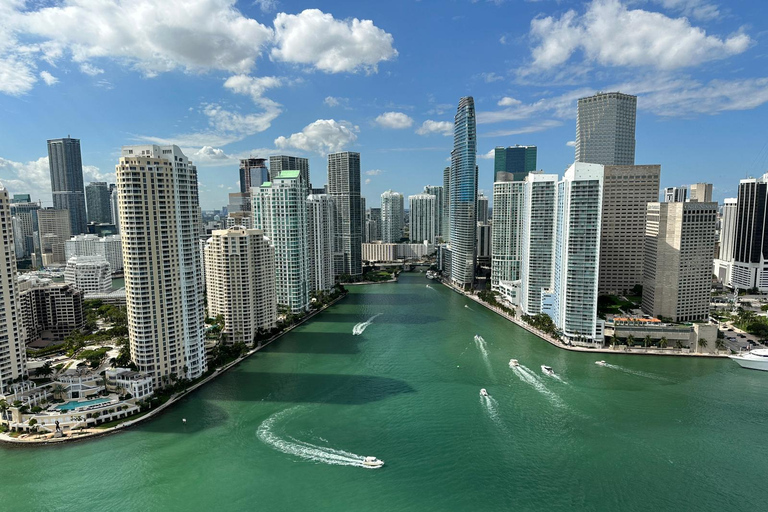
{"x": 391, "y": 216}
{"x": 253, "y": 172}
{"x": 484, "y": 238}
{"x": 344, "y": 188}
{"x": 114, "y": 211}
{"x": 538, "y": 239}
{"x": 446, "y": 233}
{"x": 91, "y": 274}
{"x": 66, "y": 169}
{"x": 280, "y": 163}
{"x": 750, "y": 243}
{"x": 438, "y": 192}
{"x": 21, "y": 198}
{"x": 363, "y": 211}
{"x": 373, "y": 225}
{"x": 49, "y": 311}
{"x": 482, "y": 208}
{"x": 724, "y": 261}
{"x": 513, "y": 163}
{"x": 701, "y": 193}
{"x": 627, "y": 189}
{"x": 675, "y": 194}
{"x": 463, "y": 194}
{"x": 507, "y": 231}
{"x": 679, "y": 244}
{"x": 97, "y": 198}
{"x": 322, "y": 228}
{"x": 423, "y": 215}
{"x": 240, "y": 283}
{"x": 53, "y": 230}
{"x": 280, "y": 211}
{"x": 159, "y": 218}
{"x": 109, "y": 247}
{"x": 13, "y": 356}
{"x": 605, "y": 129}
{"x": 25, "y": 213}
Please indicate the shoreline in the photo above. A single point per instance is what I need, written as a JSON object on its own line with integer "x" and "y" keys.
{"x": 96, "y": 433}
{"x": 552, "y": 341}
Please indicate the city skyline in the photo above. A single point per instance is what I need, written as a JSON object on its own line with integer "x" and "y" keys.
{"x": 240, "y": 101}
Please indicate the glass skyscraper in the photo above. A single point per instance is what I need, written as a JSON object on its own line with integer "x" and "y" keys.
{"x": 344, "y": 188}
{"x": 67, "y": 181}
{"x": 605, "y": 129}
{"x": 513, "y": 163}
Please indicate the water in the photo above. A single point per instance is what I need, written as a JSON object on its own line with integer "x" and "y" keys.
{"x": 74, "y": 405}
{"x": 286, "y": 429}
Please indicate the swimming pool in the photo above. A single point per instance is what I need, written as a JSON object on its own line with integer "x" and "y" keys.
{"x": 74, "y": 405}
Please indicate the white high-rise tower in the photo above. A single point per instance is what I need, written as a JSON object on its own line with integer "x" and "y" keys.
{"x": 391, "y": 217}
{"x": 423, "y": 215}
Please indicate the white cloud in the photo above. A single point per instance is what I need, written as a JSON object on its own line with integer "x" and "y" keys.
{"x": 563, "y": 107}
{"x": 506, "y": 101}
{"x": 368, "y": 181}
{"x": 489, "y": 78}
{"x": 330, "y": 101}
{"x": 490, "y": 155}
{"x": 571, "y": 143}
{"x": 90, "y": 69}
{"x": 266, "y": 5}
{"x": 315, "y": 38}
{"x": 323, "y": 136}
{"x": 536, "y": 127}
{"x": 252, "y": 86}
{"x": 48, "y": 78}
{"x": 394, "y": 120}
{"x": 696, "y": 9}
{"x": 374, "y": 172}
{"x": 208, "y": 154}
{"x": 612, "y": 35}
{"x": 223, "y": 120}
{"x": 429, "y": 127}
{"x": 16, "y": 75}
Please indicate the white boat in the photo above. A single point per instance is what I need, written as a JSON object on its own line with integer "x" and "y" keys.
{"x": 753, "y": 360}
{"x": 466, "y": 306}
{"x": 483, "y": 392}
{"x": 372, "y": 462}
{"x": 513, "y": 363}
{"x": 547, "y": 370}
{"x": 600, "y": 363}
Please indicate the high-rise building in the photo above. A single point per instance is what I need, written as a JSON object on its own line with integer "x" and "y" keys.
{"x": 159, "y": 217}
{"x": 280, "y": 163}
{"x": 53, "y": 230}
{"x": 538, "y": 239}
{"x": 423, "y": 215}
{"x": 109, "y": 247}
{"x": 437, "y": 191}
{"x": 13, "y": 356}
{"x": 627, "y": 189}
{"x": 463, "y": 194}
{"x": 26, "y": 215}
{"x": 513, "y": 163}
{"x": 373, "y": 225}
{"x": 701, "y": 193}
{"x": 49, "y": 311}
{"x": 91, "y": 274}
{"x": 253, "y": 172}
{"x": 344, "y": 188}
{"x": 482, "y": 208}
{"x": 675, "y": 194}
{"x": 446, "y": 233}
{"x": 362, "y": 219}
{"x": 240, "y": 282}
{"x": 577, "y": 253}
{"x": 21, "y": 198}
{"x": 506, "y": 247}
{"x": 679, "y": 244}
{"x": 750, "y": 244}
{"x": 322, "y": 227}
{"x": 98, "y": 201}
{"x": 67, "y": 181}
{"x": 280, "y": 211}
{"x": 605, "y": 129}
{"x": 391, "y": 216}
{"x": 724, "y": 262}
{"x": 114, "y": 210}
{"x": 484, "y": 239}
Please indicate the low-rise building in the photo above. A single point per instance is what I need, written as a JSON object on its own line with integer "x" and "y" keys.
{"x": 380, "y": 251}
{"x": 110, "y": 247}
{"x": 123, "y": 380}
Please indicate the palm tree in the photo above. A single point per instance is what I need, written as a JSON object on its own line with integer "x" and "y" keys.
{"x": 57, "y": 389}
{"x": 663, "y": 343}
{"x": 720, "y": 344}
{"x": 647, "y": 341}
{"x": 678, "y": 344}
{"x": 703, "y": 343}
{"x": 4, "y": 408}
{"x": 630, "y": 341}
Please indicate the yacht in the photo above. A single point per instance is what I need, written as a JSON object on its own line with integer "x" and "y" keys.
{"x": 372, "y": 462}
{"x": 754, "y": 359}
{"x": 513, "y": 363}
{"x": 483, "y": 392}
{"x": 547, "y": 370}
{"x": 600, "y": 363}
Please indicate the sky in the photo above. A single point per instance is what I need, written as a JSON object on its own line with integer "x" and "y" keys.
{"x": 226, "y": 80}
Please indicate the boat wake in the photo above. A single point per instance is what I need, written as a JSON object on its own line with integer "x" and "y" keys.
{"x": 291, "y": 446}
{"x": 482, "y": 346}
{"x": 430, "y": 287}
{"x": 491, "y": 408}
{"x": 359, "y": 328}
{"x": 637, "y": 373}
{"x": 533, "y": 380}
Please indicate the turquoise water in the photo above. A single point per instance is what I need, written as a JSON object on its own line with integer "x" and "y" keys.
{"x": 286, "y": 429}
{"x": 74, "y": 405}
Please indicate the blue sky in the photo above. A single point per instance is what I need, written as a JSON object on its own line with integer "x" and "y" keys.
{"x": 225, "y": 80}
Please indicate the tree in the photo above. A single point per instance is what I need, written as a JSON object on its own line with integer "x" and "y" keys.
{"x": 57, "y": 389}
{"x": 4, "y": 408}
{"x": 703, "y": 343}
{"x": 45, "y": 370}
{"x": 720, "y": 344}
{"x": 678, "y": 344}
{"x": 630, "y": 340}
{"x": 647, "y": 341}
{"x": 663, "y": 343}
{"x": 33, "y": 424}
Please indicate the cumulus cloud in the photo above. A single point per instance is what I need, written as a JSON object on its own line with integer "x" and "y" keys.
{"x": 506, "y": 101}
{"x": 208, "y": 154}
{"x": 374, "y": 172}
{"x": 91, "y": 70}
{"x": 323, "y": 136}
{"x": 368, "y": 181}
{"x": 266, "y": 5}
{"x": 490, "y": 155}
{"x": 16, "y": 75}
{"x": 696, "y": 9}
{"x": 612, "y": 35}
{"x": 429, "y": 127}
{"x": 48, "y": 78}
{"x": 571, "y": 143}
{"x": 394, "y": 120}
{"x": 317, "y": 39}
{"x": 489, "y": 78}
{"x": 330, "y": 101}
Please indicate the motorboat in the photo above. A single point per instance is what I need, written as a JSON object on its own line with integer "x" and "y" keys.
{"x": 547, "y": 370}
{"x": 753, "y": 360}
{"x": 483, "y": 392}
{"x": 513, "y": 363}
{"x": 600, "y": 363}
{"x": 372, "y": 462}
{"x": 466, "y": 306}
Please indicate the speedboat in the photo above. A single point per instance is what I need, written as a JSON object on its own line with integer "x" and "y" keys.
{"x": 483, "y": 392}
{"x": 600, "y": 363}
{"x": 372, "y": 462}
{"x": 547, "y": 370}
{"x": 513, "y": 363}
{"x": 753, "y": 360}
{"x": 466, "y": 306}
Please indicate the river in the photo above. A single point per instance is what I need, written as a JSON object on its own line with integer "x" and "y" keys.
{"x": 287, "y": 428}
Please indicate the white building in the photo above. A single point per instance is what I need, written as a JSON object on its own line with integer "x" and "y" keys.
{"x": 91, "y": 274}
{"x": 159, "y": 217}
{"x": 53, "y": 230}
{"x": 123, "y": 380}
{"x": 13, "y": 357}
{"x": 280, "y": 211}
{"x": 240, "y": 282}
{"x": 322, "y": 225}
{"x": 538, "y": 240}
{"x": 423, "y": 215}
{"x": 507, "y": 230}
{"x": 391, "y": 217}
{"x": 383, "y": 252}
{"x": 724, "y": 263}
{"x": 110, "y": 247}
{"x": 439, "y": 193}
{"x": 675, "y": 194}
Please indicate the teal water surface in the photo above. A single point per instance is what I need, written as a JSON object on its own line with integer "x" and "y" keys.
{"x": 287, "y": 429}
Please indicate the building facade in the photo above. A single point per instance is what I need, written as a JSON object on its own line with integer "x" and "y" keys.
{"x": 513, "y": 163}
{"x": 423, "y": 215}
{"x": 253, "y": 172}
{"x": 482, "y": 208}
{"x": 750, "y": 242}
{"x": 25, "y": 212}
{"x": 438, "y": 192}
{"x": 391, "y": 217}
{"x": 384, "y": 252}
{"x": 701, "y": 193}
{"x": 49, "y": 311}
{"x": 605, "y": 129}
{"x": 321, "y": 216}
{"x": 538, "y": 239}
{"x": 66, "y": 168}
{"x": 344, "y": 188}
{"x": 109, "y": 247}
{"x": 91, "y": 274}
{"x": 280, "y": 163}
{"x": 675, "y": 194}
{"x": 507, "y": 232}
{"x": 53, "y": 231}
{"x": 724, "y": 262}
{"x": 97, "y": 198}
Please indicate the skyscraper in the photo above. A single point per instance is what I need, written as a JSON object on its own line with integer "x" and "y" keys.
{"x": 280, "y": 163}
{"x": 240, "y": 282}
{"x": 373, "y": 224}
{"x": 25, "y": 213}
{"x": 159, "y": 218}
{"x": 391, "y": 216}
{"x": 114, "y": 208}
{"x": 701, "y": 193}
{"x": 514, "y": 162}
{"x": 605, "y": 129}
{"x": 438, "y": 192}
{"x": 98, "y": 201}
{"x": 53, "y": 230}
{"x": 280, "y": 210}
{"x": 750, "y": 248}
{"x": 446, "y": 232}
{"x": 463, "y": 194}
{"x": 423, "y": 215}
{"x": 13, "y": 356}
{"x": 482, "y": 208}
{"x": 67, "y": 181}
{"x": 675, "y": 194}
{"x": 724, "y": 262}
{"x": 344, "y": 188}
{"x": 679, "y": 244}
{"x": 538, "y": 239}
{"x": 506, "y": 244}
{"x": 253, "y": 172}
{"x": 322, "y": 228}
